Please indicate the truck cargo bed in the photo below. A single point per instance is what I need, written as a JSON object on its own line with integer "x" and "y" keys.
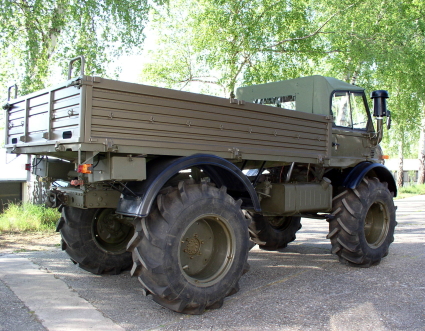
{"x": 97, "y": 114}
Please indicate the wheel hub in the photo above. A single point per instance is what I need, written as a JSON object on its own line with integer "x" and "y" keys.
{"x": 192, "y": 245}
{"x": 206, "y": 250}
{"x": 109, "y": 233}
{"x": 376, "y": 225}
{"x": 110, "y": 228}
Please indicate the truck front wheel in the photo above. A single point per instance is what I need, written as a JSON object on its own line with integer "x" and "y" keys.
{"x": 362, "y": 227}
{"x": 95, "y": 239}
{"x": 273, "y": 232}
{"x": 191, "y": 250}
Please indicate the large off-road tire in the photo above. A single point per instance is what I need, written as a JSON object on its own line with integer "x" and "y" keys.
{"x": 273, "y": 232}
{"x": 362, "y": 227}
{"x": 191, "y": 250}
{"x": 95, "y": 239}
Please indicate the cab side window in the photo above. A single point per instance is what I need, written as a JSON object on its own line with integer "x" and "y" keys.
{"x": 349, "y": 111}
{"x": 341, "y": 109}
{"x": 287, "y": 102}
{"x": 358, "y": 111}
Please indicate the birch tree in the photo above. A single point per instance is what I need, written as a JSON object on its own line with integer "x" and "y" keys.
{"x": 38, "y": 36}
{"x": 421, "y": 151}
{"x": 380, "y": 45}
{"x": 233, "y": 42}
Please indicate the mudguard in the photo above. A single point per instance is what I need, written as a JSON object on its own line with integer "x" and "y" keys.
{"x": 137, "y": 200}
{"x": 362, "y": 169}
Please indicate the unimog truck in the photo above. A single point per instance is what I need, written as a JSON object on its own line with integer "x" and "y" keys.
{"x": 178, "y": 186}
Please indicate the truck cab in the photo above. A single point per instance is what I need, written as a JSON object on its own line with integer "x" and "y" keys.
{"x": 353, "y": 134}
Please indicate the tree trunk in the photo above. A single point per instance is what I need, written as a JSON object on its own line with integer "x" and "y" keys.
{"x": 421, "y": 153}
{"x": 400, "y": 165}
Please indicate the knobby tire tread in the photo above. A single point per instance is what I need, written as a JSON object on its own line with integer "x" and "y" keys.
{"x": 155, "y": 235}
{"x": 75, "y": 226}
{"x": 270, "y": 238}
{"x": 346, "y": 227}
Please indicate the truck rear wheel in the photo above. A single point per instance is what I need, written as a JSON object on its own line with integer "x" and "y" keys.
{"x": 363, "y": 225}
{"x": 273, "y": 232}
{"x": 191, "y": 250}
{"x": 95, "y": 239}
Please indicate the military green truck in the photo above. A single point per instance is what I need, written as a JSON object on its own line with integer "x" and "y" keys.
{"x": 178, "y": 186}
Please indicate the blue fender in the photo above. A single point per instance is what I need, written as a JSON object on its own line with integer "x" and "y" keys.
{"x": 356, "y": 175}
{"x": 138, "y": 200}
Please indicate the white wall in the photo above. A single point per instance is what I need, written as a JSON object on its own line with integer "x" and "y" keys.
{"x": 12, "y": 167}
{"x": 408, "y": 164}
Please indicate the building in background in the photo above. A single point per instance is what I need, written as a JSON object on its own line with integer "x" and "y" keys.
{"x": 410, "y": 170}
{"x": 14, "y": 179}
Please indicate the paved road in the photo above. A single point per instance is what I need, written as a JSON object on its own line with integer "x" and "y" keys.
{"x": 302, "y": 287}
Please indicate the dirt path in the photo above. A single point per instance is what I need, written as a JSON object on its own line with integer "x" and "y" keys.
{"x": 22, "y": 242}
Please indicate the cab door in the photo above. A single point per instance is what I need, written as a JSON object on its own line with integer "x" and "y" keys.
{"x": 352, "y": 129}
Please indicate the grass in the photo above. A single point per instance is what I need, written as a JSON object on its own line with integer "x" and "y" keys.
{"x": 27, "y": 217}
{"x": 410, "y": 191}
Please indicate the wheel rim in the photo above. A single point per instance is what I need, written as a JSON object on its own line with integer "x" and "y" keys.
{"x": 206, "y": 250}
{"x": 110, "y": 233}
{"x": 376, "y": 224}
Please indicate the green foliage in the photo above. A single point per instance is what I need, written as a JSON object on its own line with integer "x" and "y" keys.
{"x": 409, "y": 191}
{"x": 28, "y": 217}
{"x": 39, "y": 36}
{"x": 379, "y": 45}
{"x": 232, "y": 42}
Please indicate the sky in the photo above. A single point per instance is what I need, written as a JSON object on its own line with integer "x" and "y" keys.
{"x": 131, "y": 66}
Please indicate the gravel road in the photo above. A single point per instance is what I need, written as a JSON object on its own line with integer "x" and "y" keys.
{"x": 302, "y": 287}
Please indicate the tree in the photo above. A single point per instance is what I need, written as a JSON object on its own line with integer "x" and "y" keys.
{"x": 225, "y": 43}
{"x": 421, "y": 151}
{"x": 379, "y": 45}
{"x": 38, "y": 36}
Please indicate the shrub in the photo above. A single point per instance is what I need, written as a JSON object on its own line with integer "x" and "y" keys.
{"x": 28, "y": 217}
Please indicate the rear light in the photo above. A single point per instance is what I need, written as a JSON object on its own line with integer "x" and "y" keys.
{"x": 85, "y": 168}
{"x": 385, "y": 157}
{"x": 28, "y": 166}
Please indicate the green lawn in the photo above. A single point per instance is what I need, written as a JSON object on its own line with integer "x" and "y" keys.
{"x": 28, "y": 218}
{"x": 410, "y": 191}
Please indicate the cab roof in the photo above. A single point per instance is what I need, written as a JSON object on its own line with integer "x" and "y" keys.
{"x": 311, "y": 94}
